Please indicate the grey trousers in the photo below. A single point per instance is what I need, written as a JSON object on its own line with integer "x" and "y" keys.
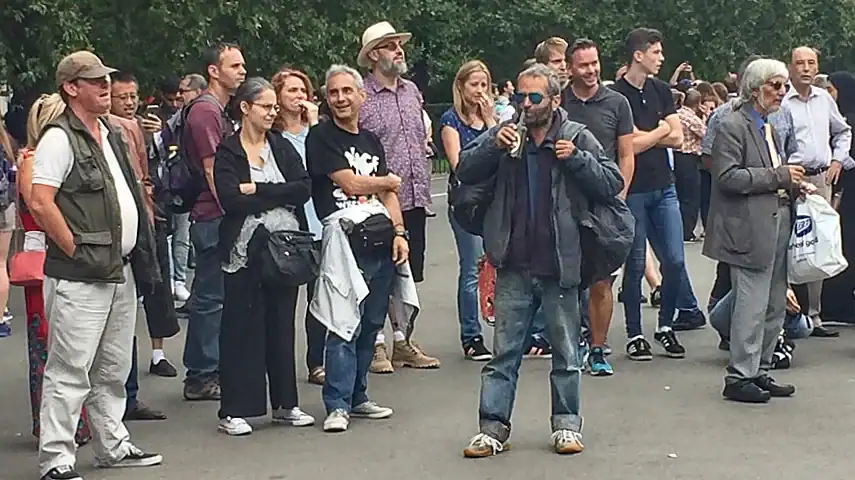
{"x": 815, "y": 288}
{"x": 90, "y": 337}
{"x": 758, "y": 309}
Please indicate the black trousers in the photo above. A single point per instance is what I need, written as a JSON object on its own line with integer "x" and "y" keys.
{"x": 706, "y": 192}
{"x": 687, "y": 180}
{"x": 159, "y": 306}
{"x": 414, "y": 222}
{"x": 838, "y": 304}
{"x": 316, "y": 334}
{"x": 256, "y": 341}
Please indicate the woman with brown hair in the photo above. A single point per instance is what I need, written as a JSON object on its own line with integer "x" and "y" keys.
{"x": 46, "y": 109}
{"x": 472, "y": 114}
{"x": 297, "y": 113}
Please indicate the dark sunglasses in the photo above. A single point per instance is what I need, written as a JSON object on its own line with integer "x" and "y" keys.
{"x": 534, "y": 97}
{"x": 392, "y": 46}
{"x": 779, "y": 85}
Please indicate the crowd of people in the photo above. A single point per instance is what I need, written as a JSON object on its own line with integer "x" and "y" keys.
{"x": 261, "y": 187}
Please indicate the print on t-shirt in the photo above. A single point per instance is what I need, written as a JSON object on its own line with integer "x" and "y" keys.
{"x": 362, "y": 164}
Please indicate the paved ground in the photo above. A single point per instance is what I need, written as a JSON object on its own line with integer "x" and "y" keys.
{"x": 659, "y": 420}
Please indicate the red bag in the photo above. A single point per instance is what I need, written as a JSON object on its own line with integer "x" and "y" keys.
{"x": 486, "y": 289}
{"x": 27, "y": 268}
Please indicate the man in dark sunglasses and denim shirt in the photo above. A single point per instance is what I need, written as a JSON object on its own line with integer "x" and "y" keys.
{"x": 533, "y": 239}
{"x": 653, "y": 201}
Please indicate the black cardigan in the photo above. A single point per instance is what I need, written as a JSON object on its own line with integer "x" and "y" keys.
{"x": 231, "y": 168}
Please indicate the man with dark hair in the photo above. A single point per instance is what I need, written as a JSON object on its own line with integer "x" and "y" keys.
{"x": 170, "y": 96}
{"x": 608, "y": 116}
{"x": 653, "y": 200}
{"x": 206, "y": 126}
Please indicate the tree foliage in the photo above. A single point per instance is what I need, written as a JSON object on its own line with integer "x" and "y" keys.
{"x": 154, "y": 38}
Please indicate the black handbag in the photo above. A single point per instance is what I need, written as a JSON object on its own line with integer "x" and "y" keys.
{"x": 375, "y": 233}
{"x": 289, "y": 257}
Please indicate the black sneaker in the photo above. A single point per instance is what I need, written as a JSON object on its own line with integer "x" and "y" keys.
{"x": 656, "y": 297}
{"x": 724, "y": 345}
{"x": 668, "y": 341}
{"x": 63, "y": 472}
{"x": 476, "y": 351}
{"x": 162, "y": 369}
{"x": 688, "y": 320}
{"x": 767, "y": 384}
{"x": 134, "y": 458}
{"x": 745, "y": 392}
{"x": 195, "y": 390}
{"x": 639, "y": 350}
{"x": 538, "y": 348}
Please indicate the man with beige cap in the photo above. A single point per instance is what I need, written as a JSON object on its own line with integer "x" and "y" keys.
{"x": 393, "y": 111}
{"x": 100, "y": 248}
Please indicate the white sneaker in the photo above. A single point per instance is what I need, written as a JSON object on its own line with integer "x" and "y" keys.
{"x": 294, "y": 416}
{"x": 7, "y": 315}
{"x": 234, "y": 426}
{"x": 371, "y": 410}
{"x": 180, "y": 292}
{"x": 337, "y": 421}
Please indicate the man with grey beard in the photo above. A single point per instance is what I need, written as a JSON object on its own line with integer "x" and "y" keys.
{"x": 393, "y": 111}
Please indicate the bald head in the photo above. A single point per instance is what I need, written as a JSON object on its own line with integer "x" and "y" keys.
{"x": 804, "y": 65}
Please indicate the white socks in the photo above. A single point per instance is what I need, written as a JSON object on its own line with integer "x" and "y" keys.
{"x": 157, "y": 355}
{"x": 381, "y": 337}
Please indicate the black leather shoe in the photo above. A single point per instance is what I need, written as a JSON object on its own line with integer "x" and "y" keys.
{"x": 767, "y": 384}
{"x": 162, "y": 369}
{"x": 745, "y": 392}
{"x": 822, "y": 332}
{"x": 143, "y": 412}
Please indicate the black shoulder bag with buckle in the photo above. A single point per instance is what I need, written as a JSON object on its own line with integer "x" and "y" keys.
{"x": 287, "y": 257}
{"x": 373, "y": 234}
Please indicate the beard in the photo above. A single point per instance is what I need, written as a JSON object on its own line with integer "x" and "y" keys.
{"x": 540, "y": 116}
{"x": 390, "y": 68}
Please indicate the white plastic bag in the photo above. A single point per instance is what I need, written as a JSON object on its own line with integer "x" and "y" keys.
{"x": 815, "y": 251}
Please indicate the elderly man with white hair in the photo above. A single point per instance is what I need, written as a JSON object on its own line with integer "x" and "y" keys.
{"x": 750, "y": 221}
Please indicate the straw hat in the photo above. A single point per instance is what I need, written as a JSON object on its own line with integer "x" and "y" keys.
{"x": 376, "y": 34}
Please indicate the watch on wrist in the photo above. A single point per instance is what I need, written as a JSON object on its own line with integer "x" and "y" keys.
{"x": 403, "y": 234}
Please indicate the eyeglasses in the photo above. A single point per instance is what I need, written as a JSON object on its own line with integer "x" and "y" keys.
{"x": 268, "y": 107}
{"x": 778, "y": 85}
{"x": 534, "y": 97}
{"x": 127, "y": 96}
{"x": 393, "y": 46}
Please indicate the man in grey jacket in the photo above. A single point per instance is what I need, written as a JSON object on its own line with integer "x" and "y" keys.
{"x": 533, "y": 239}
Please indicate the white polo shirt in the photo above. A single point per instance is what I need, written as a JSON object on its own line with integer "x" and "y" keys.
{"x": 54, "y": 159}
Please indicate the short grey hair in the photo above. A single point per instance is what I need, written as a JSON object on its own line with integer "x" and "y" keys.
{"x": 539, "y": 70}
{"x": 757, "y": 73}
{"x": 196, "y": 82}
{"x": 344, "y": 69}
{"x": 821, "y": 81}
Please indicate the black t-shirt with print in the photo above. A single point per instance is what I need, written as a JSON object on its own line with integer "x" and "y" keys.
{"x": 649, "y": 105}
{"x": 330, "y": 149}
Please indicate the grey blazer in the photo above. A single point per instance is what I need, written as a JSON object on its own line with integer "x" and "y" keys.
{"x": 743, "y": 204}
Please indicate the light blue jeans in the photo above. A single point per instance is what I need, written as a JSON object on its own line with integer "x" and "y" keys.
{"x": 180, "y": 247}
{"x": 470, "y": 248}
{"x": 517, "y": 297}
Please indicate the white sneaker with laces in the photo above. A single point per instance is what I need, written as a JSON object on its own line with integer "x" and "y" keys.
{"x": 180, "y": 292}
{"x": 295, "y": 416}
{"x": 234, "y": 426}
{"x": 371, "y": 410}
{"x": 337, "y": 421}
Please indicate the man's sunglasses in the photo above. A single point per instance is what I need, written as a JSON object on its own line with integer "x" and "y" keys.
{"x": 779, "y": 85}
{"x": 534, "y": 97}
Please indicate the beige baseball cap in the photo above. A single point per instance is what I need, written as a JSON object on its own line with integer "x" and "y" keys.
{"x": 81, "y": 64}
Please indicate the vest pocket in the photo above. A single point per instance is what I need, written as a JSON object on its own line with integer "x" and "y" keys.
{"x": 93, "y": 251}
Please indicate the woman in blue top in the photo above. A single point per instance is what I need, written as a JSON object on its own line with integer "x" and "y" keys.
{"x": 472, "y": 114}
{"x": 296, "y": 115}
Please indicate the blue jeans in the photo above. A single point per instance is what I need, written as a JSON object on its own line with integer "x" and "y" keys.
{"x": 657, "y": 218}
{"x": 470, "y": 248}
{"x": 180, "y": 247}
{"x": 517, "y": 298}
{"x": 202, "y": 345}
{"x": 347, "y": 363}
{"x": 132, "y": 386}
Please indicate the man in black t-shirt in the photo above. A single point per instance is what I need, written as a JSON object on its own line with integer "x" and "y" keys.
{"x": 348, "y": 168}
{"x": 653, "y": 200}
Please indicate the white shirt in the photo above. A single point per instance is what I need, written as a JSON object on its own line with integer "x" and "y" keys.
{"x": 818, "y": 127}
{"x": 54, "y": 159}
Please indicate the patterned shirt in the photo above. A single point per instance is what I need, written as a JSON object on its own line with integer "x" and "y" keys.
{"x": 693, "y": 130}
{"x": 396, "y": 118}
{"x": 781, "y": 120}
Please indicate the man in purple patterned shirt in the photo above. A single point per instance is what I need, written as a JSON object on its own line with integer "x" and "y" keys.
{"x": 393, "y": 111}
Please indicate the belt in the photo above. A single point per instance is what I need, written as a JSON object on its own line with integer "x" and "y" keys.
{"x": 812, "y": 172}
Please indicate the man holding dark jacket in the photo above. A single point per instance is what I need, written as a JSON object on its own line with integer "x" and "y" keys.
{"x": 532, "y": 236}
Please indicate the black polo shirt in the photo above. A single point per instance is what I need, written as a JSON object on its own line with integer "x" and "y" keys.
{"x": 649, "y": 105}
{"x": 607, "y": 115}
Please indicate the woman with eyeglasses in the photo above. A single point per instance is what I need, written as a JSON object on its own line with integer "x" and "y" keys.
{"x": 45, "y": 110}
{"x": 261, "y": 184}
{"x": 471, "y": 115}
{"x": 296, "y": 115}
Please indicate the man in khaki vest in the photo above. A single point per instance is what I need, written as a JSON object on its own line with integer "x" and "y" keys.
{"x": 100, "y": 247}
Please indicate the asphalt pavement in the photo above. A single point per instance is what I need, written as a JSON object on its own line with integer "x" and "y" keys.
{"x": 657, "y": 420}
